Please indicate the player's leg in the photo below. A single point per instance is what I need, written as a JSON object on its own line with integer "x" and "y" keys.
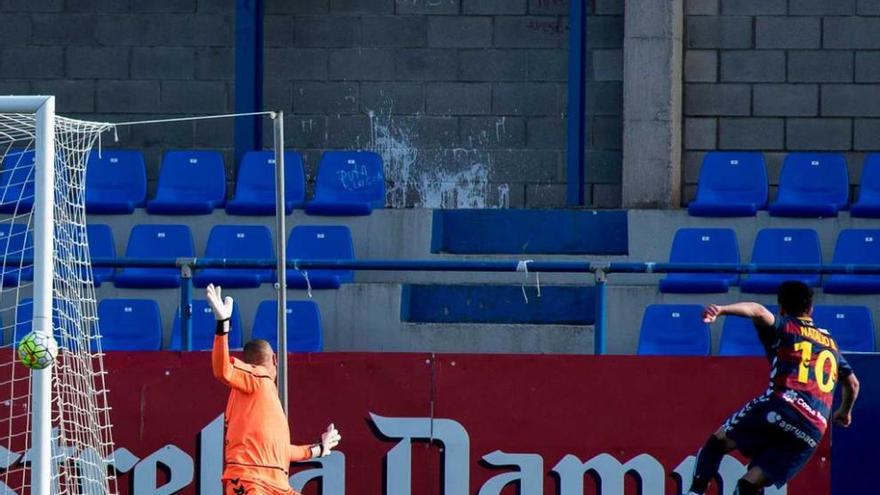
{"x": 793, "y": 440}
{"x": 709, "y": 459}
{"x": 752, "y": 483}
{"x": 741, "y": 431}
{"x": 777, "y": 464}
{"x": 236, "y": 486}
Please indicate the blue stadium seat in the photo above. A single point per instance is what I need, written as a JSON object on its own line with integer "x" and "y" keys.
{"x": 304, "y": 332}
{"x": 731, "y": 184}
{"x": 155, "y": 242}
{"x": 116, "y": 182}
{"x": 255, "y": 185}
{"x": 237, "y": 242}
{"x": 203, "y": 327}
{"x": 868, "y": 205}
{"x": 674, "y": 330}
{"x": 130, "y": 325}
{"x": 702, "y": 246}
{"x": 780, "y": 246}
{"x": 349, "y": 183}
{"x": 812, "y": 185}
{"x": 740, "y": 338}
{"x": 101, "y": 245}
{"x": 851, "y": 326}
{"x": 855, "y": 247}
{"x": 17, "y": 182}
{"x": 190, "y": 183}
{"x": 324, "y": 243}
{"x": 16, "y": 243}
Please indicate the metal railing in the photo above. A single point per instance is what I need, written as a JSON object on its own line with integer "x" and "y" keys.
{"x": 599, "y": 270}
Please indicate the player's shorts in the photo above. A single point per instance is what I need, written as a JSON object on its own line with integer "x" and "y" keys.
{"x": 774, "y": 436}
{"x": 238, "y": 486}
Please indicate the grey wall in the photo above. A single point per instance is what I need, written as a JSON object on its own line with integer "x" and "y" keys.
{"x": 469, "y": 96}
{"x": 119, "y": 60}
{"x": 781, "y": 75}
{"x": 456, "y": 88}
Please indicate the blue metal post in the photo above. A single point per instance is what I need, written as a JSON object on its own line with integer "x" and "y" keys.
{"x": 577, "y": 75}
{"x": 248, "y": 75}
{"x": 601, "y": 319}
{"x": 186, "y": 287}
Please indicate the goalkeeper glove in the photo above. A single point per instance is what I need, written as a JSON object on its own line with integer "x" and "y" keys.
{"x": 329, "y": 440}
{"x": 222, "y": 308}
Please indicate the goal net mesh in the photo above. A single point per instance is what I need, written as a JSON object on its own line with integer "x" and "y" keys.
{"x": 81, "y": 446}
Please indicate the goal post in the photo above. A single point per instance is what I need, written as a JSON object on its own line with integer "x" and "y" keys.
{"x": 44, "y": 205}
{"x": 54, "y": 422}
{"x": 43, "y": 109}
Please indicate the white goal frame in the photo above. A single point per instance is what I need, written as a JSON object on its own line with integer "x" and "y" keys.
{"x": 43, "y": 107}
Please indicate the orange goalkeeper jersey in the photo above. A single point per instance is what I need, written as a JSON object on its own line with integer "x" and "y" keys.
{"x": 257, "y": 441}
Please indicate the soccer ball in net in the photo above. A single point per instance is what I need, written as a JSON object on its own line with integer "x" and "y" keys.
{"x": 37, "y": 351}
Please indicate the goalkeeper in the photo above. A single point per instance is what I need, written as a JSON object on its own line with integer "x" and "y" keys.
{"x": 257, "y": 453}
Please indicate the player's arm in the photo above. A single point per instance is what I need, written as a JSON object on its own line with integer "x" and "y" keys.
{"x": 754, "y": 311}
{"x": 221, "y": 362}
{"x": 329, "y": 439}
{"x": 848, "y": 395}
{"x": 303, "y": 452}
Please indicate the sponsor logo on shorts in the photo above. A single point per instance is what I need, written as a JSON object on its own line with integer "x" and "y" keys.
{"x": 794, "y": 399}
{"x": 775, "y": 418}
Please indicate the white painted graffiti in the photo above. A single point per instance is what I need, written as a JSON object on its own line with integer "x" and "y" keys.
{"x": 357, "y": 178}
{"x": 446, "y": 178}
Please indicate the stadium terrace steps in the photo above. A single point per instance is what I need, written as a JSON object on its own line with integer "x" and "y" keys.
{"x": 366, "y": 315}
{"x": 385, "y": 234}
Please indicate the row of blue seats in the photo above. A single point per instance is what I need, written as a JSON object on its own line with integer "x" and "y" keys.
{"x": 152, "y": 241}
{"x": 810, "y": 185}
{"x": 678, "y": 330}
{"x": 194, "y": 183}
{"x": 136, "y": 325}
{"x": 772, "y": 246}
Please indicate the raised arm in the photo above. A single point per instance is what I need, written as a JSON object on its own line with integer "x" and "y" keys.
{"x": 756, "y": 312}
{"x": 230, "y": 371}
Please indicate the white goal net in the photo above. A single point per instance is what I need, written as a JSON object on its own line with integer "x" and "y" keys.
{"x": 79, "y": 441}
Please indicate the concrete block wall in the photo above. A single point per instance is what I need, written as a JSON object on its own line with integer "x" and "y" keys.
{"x": 461, "y": 92}
{"x": 467, "y": 95}
{"x": 780, "y": 76}
{"x": 118, "y": 60}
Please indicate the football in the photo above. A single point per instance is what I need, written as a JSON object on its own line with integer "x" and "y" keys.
{"x": 37, "y": 351}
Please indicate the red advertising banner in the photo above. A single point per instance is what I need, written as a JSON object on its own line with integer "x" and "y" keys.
{"x": 426, "y": 424}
